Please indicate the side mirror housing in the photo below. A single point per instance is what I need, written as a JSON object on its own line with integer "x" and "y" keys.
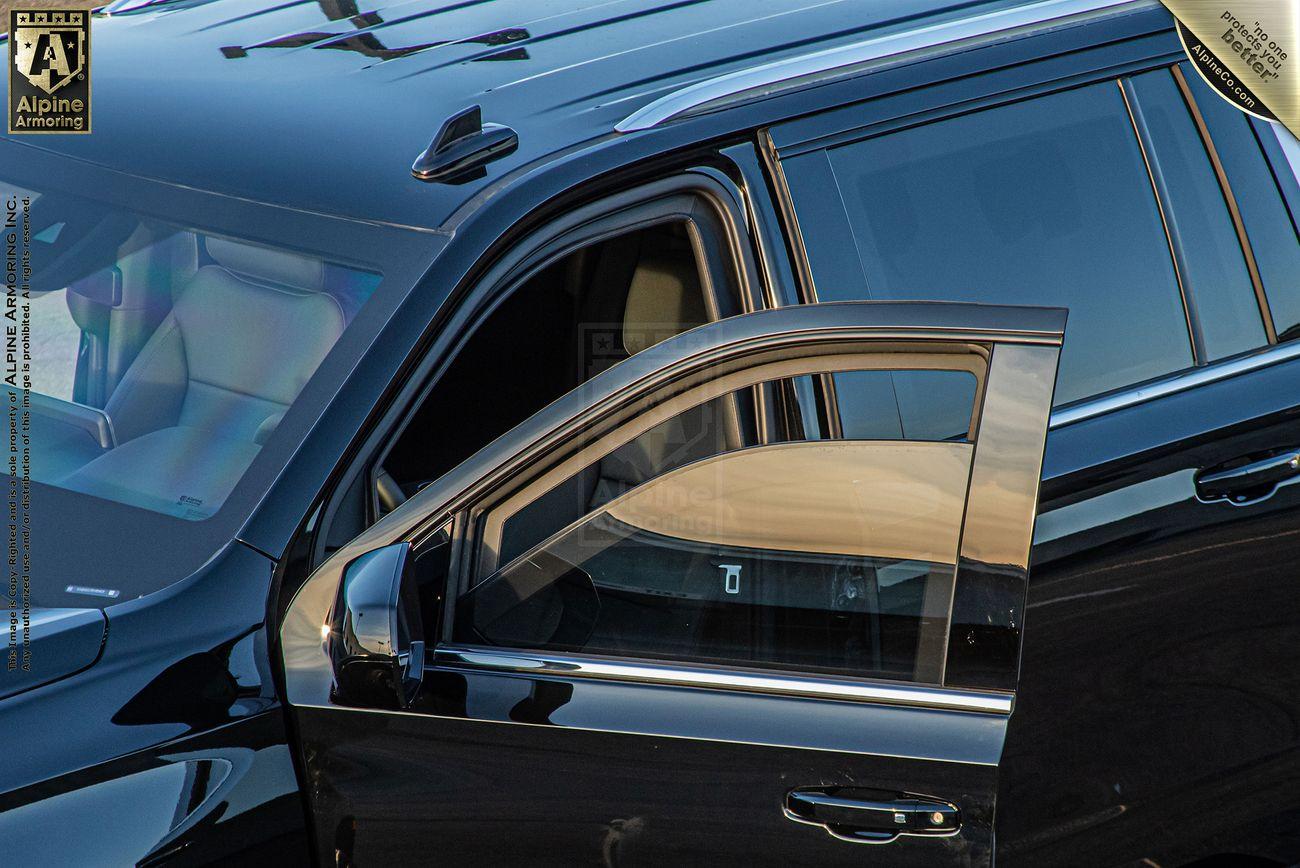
{"x": 376, "y": 640}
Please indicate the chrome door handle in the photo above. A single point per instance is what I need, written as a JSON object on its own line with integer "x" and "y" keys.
{"x": 1249, "y": 482}
{"x": 870, "y": 816}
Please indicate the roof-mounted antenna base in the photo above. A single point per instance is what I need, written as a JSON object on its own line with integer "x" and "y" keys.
{"x": 462, "y": 147}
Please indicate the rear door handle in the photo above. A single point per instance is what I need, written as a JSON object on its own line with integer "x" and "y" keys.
{"x": 1249, "y": 482}
{"x": 871, "y": 816}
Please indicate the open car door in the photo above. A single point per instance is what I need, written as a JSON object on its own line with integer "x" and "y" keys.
{"x": 693, "y": 613}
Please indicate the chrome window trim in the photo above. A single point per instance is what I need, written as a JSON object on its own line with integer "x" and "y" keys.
{"x": 1177, "y": 383}
{"x": 641, "y": 671}
{"x": 772, "y": 78}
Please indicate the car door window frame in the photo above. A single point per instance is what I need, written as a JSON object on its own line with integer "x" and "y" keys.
{"x": 479, "y": 527}
{"x": 981, "y": 632}
{"x": 992, "y": 566}
{"x": 714, "y": 211}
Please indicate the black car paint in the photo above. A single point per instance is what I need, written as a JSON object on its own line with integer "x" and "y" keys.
{"x": 342, "y": 96}
{"x": 65, "y": 640}
{"x": 614, "y": 798}
{"x": 1157, "y": 702}
{"x": 1157, "y": 729}
{"x": 156, "y": 696}
{"x": 227, "y": 795}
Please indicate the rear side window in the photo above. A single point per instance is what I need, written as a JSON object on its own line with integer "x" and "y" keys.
{"x": 1102, "y": 199}
{"x": 1256, "y": 186}
{"x": 1043, "y": 202}
{"x": 1212, "y": 262}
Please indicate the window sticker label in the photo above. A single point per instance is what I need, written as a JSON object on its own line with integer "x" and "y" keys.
{"x": 110, "y": 593}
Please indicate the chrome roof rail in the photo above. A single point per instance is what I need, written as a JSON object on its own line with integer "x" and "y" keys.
{"x": 757, "y": 82}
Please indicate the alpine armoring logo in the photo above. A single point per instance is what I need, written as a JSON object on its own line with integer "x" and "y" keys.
{"x": 49, "y": 71}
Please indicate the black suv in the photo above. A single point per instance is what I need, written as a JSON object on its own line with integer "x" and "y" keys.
{"x": 612, "y": 433}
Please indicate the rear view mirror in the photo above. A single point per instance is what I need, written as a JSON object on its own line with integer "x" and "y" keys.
{"x": 376, "y": 640}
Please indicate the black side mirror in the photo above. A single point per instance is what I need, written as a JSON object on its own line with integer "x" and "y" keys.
{"x": 376, "y": 641}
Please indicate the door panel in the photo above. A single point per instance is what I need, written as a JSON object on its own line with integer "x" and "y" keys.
{"x": 407, "y": 790}
{"x": 546, "y": 750}
{"x": 1156, "y": 715}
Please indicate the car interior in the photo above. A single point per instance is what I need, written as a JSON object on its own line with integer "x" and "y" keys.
{"x": 191, "y": 348}
{"x": 570, "y": 321}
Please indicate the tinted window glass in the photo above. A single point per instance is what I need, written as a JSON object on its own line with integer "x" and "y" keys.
{"x": 700, "y": 540}
{"x": 1044, "y": 202}
{"x": 235, "y": 330}
{"x": 873, "y": 405}
{"x": 904, "y": 405}
{"x": 1214, "y": 268}
{"x": 171, "y": 378}
{"x": 57, "y": 339}
{"x": 700, "y": 432}
{"x": 1269, "y": 225}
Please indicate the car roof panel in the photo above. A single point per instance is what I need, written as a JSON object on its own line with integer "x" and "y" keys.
{"x": 323, "y": 104}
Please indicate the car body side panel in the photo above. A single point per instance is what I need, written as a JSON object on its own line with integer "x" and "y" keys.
{"x": 229, "y": 795}
{"x": 178, "y": 720}
{"x": 558, "y": 793}
{"x": 1159, "y": 696}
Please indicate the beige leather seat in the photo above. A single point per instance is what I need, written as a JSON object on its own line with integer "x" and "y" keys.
{"x": 664, "y": 299}
{"x": 243, "y": 337}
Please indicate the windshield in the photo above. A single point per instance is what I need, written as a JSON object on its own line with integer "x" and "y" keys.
{"x": 148, "y": 363}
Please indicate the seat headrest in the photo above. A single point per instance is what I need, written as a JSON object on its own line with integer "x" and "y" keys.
{"x": 663, "y": 299}
{"x": 266, "y": 265}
